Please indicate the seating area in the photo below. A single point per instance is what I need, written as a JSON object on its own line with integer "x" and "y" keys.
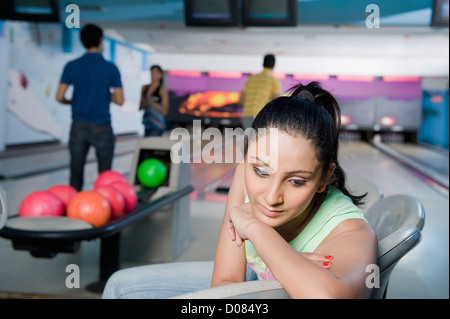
{"x": 397, "y": 221}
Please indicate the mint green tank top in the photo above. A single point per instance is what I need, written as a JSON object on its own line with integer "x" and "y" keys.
{"x": 336, "y": 208}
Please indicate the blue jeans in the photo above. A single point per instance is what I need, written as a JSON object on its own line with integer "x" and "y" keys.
{"x": 82, "y": 136}
{"x": 162, "y": 281}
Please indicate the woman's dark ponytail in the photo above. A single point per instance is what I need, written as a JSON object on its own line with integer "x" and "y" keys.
{"x": 321, "y": 98}
{"x": 327, "y": 102}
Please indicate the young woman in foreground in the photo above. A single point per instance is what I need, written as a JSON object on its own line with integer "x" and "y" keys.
{"x": 288, "y": 214}
{"x": 296, "y": 202}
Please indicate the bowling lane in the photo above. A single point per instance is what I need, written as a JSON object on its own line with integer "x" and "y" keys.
{"x": 424, "y": 272}
{"x": 207, "y": 176}
{"x": 41, "y": 159}
{"x": 427, "y": 155}
{"x": 430, "y": 163}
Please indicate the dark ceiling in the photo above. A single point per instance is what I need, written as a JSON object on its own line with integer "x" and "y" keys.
{"x": 309, "y": 12}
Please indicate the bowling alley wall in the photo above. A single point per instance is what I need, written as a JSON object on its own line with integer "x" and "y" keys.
{"x": 32, "y": 57}
{"x": 32, "y": 61}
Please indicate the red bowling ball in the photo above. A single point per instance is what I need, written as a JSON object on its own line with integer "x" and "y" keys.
{"x": 115, "y": 199}
{"x": 128, "y": 193}
{"x": 64, "y": 192}
{"x": 109, "y": 177}
{"x": 41, "y": 204}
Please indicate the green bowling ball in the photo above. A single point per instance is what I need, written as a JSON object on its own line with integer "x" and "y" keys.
{"x": 151, "y": 172}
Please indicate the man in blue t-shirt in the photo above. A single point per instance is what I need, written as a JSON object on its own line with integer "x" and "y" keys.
{"x": 96, "y": 82}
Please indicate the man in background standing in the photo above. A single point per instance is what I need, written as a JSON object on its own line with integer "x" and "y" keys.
{"x": 96, "y": 82}
{"x": 259, "y": 89}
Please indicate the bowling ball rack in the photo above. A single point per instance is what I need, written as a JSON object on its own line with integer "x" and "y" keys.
{"x": 47, "y": 244}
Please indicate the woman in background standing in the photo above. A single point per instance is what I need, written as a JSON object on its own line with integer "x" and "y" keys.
{"x": 155, "y": 103}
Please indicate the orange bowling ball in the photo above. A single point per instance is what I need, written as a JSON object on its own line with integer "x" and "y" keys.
{"x": 91, "y": 207}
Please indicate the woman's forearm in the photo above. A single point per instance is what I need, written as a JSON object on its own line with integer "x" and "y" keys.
{"x": 160, "y": 108}
{"x": 299, "y": 276}
{"x": 351, "y": 245}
